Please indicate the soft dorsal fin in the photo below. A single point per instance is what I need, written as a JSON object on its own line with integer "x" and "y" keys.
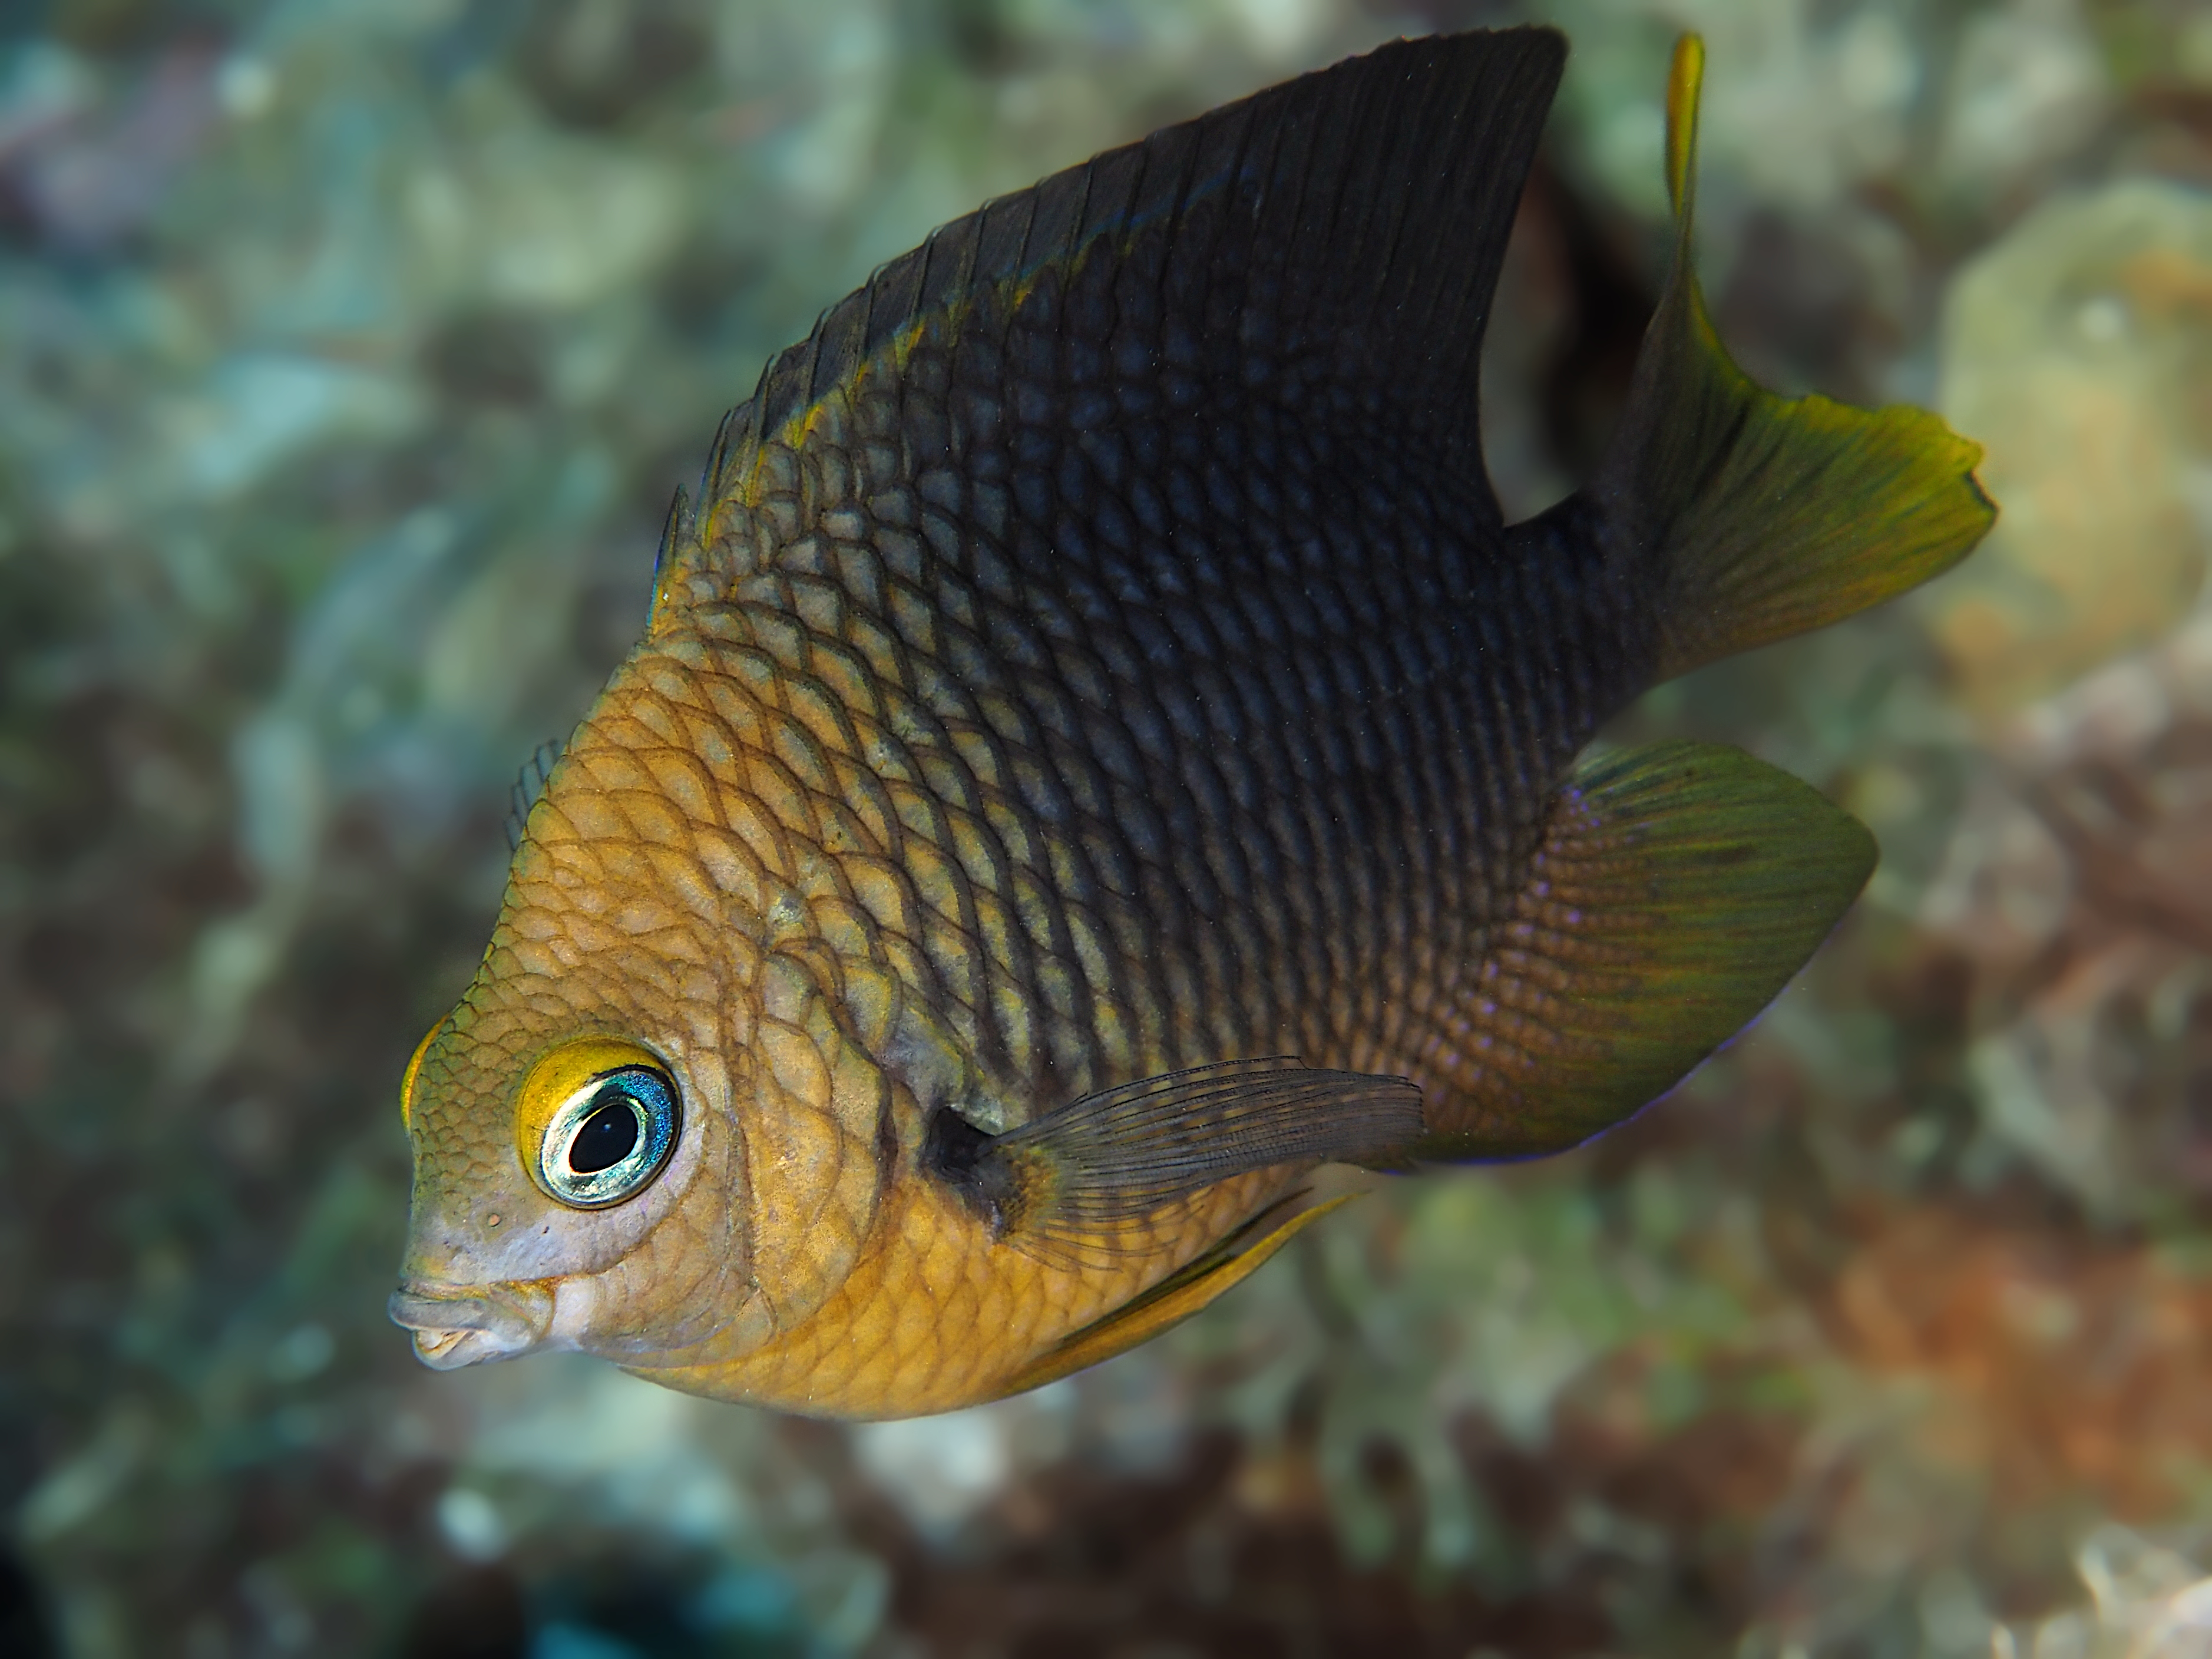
{"x": 1365, "y": 205}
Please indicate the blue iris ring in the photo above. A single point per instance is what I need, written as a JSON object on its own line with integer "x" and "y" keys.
{"x": 607, "y": 1141}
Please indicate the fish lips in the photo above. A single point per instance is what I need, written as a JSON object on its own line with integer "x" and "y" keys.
{"x": 464, "y": 1325}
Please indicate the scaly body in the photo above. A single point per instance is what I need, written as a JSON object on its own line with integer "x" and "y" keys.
{"x": 1098, "y": 655}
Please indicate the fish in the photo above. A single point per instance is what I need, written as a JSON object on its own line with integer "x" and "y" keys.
{"x": 1099, "y": 757}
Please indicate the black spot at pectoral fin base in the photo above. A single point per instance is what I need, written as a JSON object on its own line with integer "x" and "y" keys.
{"x": 957, "y": 1153}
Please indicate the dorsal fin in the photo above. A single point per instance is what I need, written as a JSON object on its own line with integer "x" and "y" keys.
{"x": 529, "y": 784}
{"x": 1366, "y": 205}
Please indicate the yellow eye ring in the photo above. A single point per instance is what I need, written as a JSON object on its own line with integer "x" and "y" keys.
{"x": 596, "y": 1121}
{"x": 414, "y": 1070}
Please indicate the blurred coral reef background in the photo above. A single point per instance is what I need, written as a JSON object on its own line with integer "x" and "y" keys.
{"x": 349, "y": 353}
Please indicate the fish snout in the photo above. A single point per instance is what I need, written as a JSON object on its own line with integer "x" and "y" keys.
{"x": 462, "y": 1325}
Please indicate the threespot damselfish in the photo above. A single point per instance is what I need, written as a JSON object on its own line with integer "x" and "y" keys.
{"x": 1099, "y": 753}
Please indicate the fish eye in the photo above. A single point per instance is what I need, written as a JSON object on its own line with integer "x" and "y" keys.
{"x": 610, "y": 1138}
{"x": 597, "y": 1121}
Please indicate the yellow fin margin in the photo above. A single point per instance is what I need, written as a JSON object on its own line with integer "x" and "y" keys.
{"x": 1769, "y": 515}
{"x": 1684, "y": 81}
{"x": 1169, "y": 1302}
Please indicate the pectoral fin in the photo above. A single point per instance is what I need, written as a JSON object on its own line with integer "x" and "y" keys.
{"x": 1071, "y": 1177}
{"x": 1176, "y": 1298}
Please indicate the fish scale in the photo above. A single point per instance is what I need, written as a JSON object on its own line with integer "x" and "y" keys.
{"x": 1098, "y": 753}
{"x": 1358, "y": 753}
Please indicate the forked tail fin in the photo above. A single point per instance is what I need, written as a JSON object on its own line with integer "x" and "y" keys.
{"x": 1759, "y": 517}
{"x": 1678, "y": 888}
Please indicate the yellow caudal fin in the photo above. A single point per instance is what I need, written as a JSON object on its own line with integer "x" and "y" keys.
{"x": 1174, "y": 1299}
{"x": 1755, "y": 517}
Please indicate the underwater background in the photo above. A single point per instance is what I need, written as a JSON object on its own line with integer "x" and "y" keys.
{"x": 350, "y": 351}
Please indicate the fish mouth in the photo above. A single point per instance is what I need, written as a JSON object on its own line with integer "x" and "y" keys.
{"x": 459, "y": 1325}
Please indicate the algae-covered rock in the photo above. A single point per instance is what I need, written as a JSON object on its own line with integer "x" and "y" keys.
{"x": 2077, "y": 350}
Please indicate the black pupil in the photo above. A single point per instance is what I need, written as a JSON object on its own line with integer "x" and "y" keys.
{"x": 606, "y": 1138}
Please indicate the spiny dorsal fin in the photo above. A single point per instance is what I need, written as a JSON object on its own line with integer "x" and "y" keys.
{"x": 1366, "y": 205}
{"x": 675, "y": 529}
{"x": 1747, "y": 518}
{"x": 1071, "y": 1177}
{"x": 529, "y": 784}
{"x": 1676, "y": 890}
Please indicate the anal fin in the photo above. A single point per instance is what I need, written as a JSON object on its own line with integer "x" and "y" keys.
{"x": 1676, "y": 890}
{"x": 1176, "y": 1297}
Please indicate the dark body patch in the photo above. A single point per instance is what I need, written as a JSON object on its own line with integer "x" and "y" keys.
{"x": 1169, "y": 573}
